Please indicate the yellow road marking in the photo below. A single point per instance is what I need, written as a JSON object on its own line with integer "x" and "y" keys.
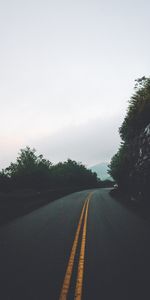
{"x": 79, "y": 282}
{"x": 67, "y": 279}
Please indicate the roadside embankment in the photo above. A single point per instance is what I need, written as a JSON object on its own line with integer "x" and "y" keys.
{"x": 20, "y": 202}
{"x": 137, "y": 206}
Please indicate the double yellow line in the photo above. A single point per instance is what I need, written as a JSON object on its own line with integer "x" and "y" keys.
{"x": 69, "y": 270}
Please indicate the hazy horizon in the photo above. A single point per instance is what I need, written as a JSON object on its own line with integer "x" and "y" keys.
{"x": 67, "y": 71}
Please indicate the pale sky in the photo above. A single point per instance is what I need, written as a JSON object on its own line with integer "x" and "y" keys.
{"x": 67, "y": 71}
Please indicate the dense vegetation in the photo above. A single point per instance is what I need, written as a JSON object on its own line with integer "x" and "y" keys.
{"x": 138, "y": 114}
{"x": 34, "y": 171}
{"x": 124, "y": 167}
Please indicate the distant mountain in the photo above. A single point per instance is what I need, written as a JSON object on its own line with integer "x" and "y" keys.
{"x": 101, "y": 170}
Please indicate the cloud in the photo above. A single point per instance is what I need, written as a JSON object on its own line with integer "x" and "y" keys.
{"x": 90, "y": 143}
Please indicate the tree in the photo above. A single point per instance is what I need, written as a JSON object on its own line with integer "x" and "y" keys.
{"x": 124, "y": 166}
{"x": 120, "y": 166}
{"x": 70, "y": 173}
{"x": 4, "y": 181}
{"x": 138, "y": 113}
{"x": 29, "y": 170}
{"x": 32, "y": 171}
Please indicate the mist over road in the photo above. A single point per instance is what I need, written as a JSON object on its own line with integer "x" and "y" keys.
{"x": 101, "y": 247}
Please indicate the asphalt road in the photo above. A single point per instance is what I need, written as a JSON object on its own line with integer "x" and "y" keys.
{"x": 103, "y": 247}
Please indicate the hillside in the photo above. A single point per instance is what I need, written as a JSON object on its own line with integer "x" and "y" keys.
{"x": 101, "y": 171}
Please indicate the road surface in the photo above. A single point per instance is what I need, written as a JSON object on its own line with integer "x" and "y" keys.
{"x": 82, "y": 246}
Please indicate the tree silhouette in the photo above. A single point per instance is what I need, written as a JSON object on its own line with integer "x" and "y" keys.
{"x": 123, "y": 167}
{"x": 32, "y": 171}
{"x": 138, "y": 114}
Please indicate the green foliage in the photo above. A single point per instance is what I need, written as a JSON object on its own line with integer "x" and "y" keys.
{"x": 123, "y": 166}
{"x": 71, "y": 173}
{"x": 32, "y": 171}
{"x": 138, "y": 114}
{"x": 29, "y": 170}
{"x": 120, "y": 166}
{"x": 4, "y": 181}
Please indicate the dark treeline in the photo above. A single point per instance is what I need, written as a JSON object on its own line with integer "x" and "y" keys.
{"x": 33, "y": 181}
{"x": 35, "y": 172}
{"x": 130, "y": 166}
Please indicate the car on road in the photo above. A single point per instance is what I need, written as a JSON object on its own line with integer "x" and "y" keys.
{"x": 115, "y": 186}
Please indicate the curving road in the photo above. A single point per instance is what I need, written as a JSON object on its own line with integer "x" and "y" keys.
{"x": 82, "y": 246}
